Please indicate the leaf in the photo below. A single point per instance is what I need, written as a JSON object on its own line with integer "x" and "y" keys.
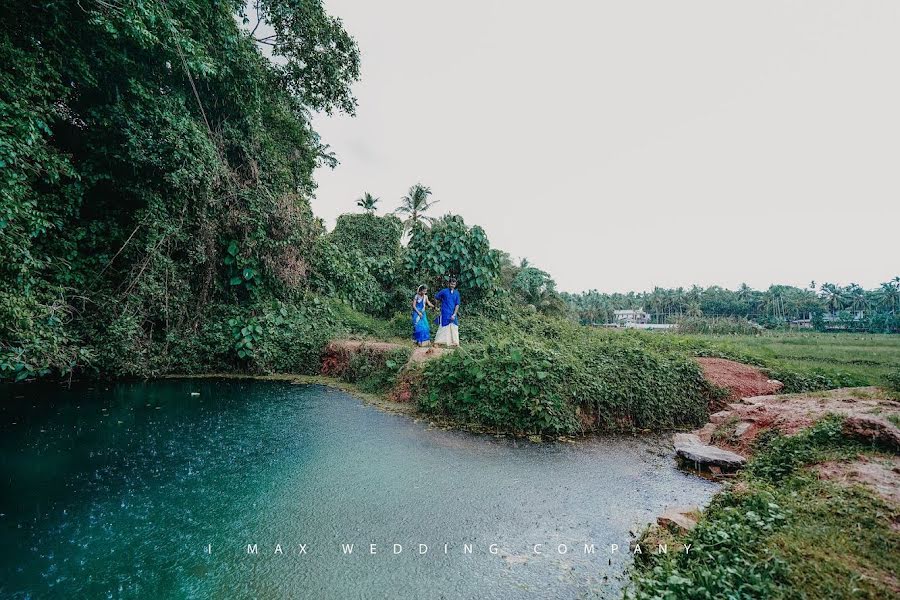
{"x": 236, "y": 280}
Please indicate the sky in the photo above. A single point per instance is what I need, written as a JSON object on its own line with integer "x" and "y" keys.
{"x": 626, "y": 145}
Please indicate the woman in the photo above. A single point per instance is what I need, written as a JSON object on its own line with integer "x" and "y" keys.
{"x": 448, "y": 334}
{"x": 421, "y": 329}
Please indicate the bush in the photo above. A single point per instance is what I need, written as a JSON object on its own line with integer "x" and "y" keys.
{"x": 373, "y": 236}
{"x": 553, "y": 377}
{"x": 375, "y": 371}
{"x": 893, "y": 381}
{"x": 718, "y": 326}
{"x": 344, "y": 273}
{"x": 518, "y": 386}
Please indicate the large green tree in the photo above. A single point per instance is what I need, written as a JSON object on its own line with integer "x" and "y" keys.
{"x": 153, "y": 162}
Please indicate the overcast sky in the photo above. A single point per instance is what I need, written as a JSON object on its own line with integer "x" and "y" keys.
{"x": 622, "y": 145}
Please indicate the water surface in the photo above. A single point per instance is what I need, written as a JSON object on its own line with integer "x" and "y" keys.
{"x": 145, "y": 491}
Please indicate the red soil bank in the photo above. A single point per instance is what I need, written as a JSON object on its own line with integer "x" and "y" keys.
{"x": 744, "y": 381}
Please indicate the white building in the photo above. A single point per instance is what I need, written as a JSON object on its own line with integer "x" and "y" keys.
{"x": 630, "y": 317}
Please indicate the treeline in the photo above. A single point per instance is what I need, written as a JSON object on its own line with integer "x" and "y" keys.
{"x": 828, "y": 306}
{"x": 155, "y": 177}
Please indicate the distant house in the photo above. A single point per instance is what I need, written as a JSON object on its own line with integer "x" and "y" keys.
{"x": 831, "y": 321}
{"x": 630, "y": 317}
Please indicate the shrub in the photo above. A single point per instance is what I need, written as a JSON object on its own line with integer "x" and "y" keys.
{"x": 373, "y": 236}
{"x": 375, "y": 371}
{"x": 893, "y": 381}
{"x": 718, "y": 326}
{"x": 518, "y": 386}
{"x": 539, "y": 378}
{"x": 344, "y": 273}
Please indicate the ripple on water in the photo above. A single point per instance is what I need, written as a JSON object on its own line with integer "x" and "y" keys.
{"x": 120, "y": 491}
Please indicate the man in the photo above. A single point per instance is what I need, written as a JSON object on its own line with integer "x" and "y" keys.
{"x": 448, "y": 334}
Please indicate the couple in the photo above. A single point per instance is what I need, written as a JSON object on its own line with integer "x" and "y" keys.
{"x": 448, "y": 334}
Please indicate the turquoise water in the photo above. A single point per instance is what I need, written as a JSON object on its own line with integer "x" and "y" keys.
{"x": 145, "y": 491}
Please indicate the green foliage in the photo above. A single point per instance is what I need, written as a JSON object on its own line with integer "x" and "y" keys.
{"x": 834, "y": 308}
{"x": 414, "y": 205}
{"x": 725, "y": 559}
{"x": 368, "y": 203}
{"x": 537, "y": 374}
{"x": 772, "y": 534}
{"x": 893, "y": 380}
{"x": 375, "y": 371}
{"x": 449, "y": 247}
{"x": 241, "y": 272}
{"x": 802, "y": 361}
{"x": 320, "y": 58}
{"x": 344, "y": 273}
{"x": 717, "y": 326}
{"x": 35, "y": 338}
{"x": 517, "y": 386}
{"x": 245, "y": 334}
{"x": 781, "y": 456}
{"x": 373, "y": 236}
{"x": 153, "y": 166}
{"x": 534, "y": 287}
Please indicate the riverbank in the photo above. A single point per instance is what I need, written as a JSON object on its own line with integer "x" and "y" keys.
{"x": 815, "y": 513}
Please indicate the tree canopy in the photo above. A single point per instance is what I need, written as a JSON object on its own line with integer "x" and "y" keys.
{"x": 142, "y": 145}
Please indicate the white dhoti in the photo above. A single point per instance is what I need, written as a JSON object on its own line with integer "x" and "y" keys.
{"x": 448, "y": 335}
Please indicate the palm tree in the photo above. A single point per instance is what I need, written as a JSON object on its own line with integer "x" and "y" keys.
{"x": 367, "y": 203}
{"x": 833, "y": 296}
{"x": 856, "y": 297}
{"x": 414, "y": 204}
{"x": 890, "y": 294}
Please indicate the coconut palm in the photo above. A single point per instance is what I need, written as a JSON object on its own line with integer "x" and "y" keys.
{"x": 414, "y": 204}
{"x": 833, "y": 296}
{"x": 856, "y": 297}
{"x": 368, "y": 203}
{"x": 890, "y": 294}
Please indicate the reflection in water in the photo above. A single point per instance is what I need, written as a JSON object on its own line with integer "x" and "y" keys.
{"x": 119, "y": 491}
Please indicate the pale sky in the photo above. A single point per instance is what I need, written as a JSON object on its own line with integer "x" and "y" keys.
{"x": 622, "y": 145}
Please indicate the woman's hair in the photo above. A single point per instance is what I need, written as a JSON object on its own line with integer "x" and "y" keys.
{"x": 421, "y": 287}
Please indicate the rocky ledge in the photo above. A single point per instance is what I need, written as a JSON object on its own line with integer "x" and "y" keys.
{"x": 689, "y": 447}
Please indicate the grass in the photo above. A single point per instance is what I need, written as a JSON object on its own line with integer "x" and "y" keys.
{"x": 845, "y": 359}
{"x": 781, "y": 532}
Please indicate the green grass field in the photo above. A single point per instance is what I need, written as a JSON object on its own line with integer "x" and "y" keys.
{"x": 832, "y": 359}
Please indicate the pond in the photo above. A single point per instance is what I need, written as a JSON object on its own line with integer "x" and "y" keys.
{"x": 147, "y": 490}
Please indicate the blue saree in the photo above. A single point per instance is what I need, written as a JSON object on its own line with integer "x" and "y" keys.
{"x": 421, "y": 329}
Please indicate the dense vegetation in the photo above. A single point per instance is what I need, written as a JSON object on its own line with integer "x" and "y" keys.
{"x": 156, "y": 171}
{"x": 833, "y": 307}
{"x": 539, "y": 374}
{"x": 782, "y": 532}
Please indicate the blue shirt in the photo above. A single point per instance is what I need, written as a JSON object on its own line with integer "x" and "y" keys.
{"x": 449, "y": 301}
